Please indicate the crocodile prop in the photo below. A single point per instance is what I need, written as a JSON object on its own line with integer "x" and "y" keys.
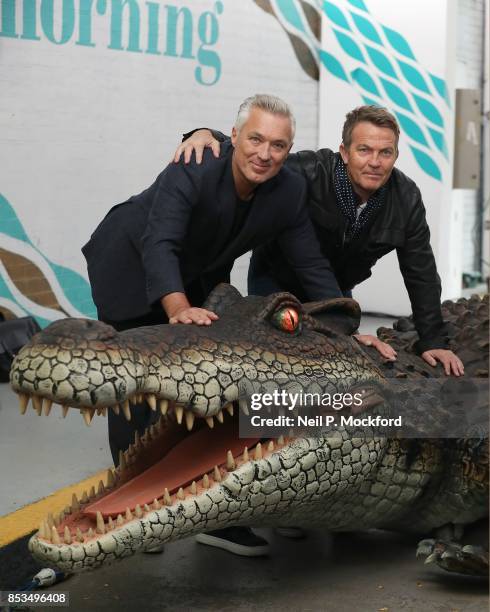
{"x": 190, "y": 472}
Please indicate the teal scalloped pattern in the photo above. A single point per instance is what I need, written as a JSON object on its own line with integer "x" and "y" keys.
{"x": 380, "y": 63}
{"x": 75, "y": 288}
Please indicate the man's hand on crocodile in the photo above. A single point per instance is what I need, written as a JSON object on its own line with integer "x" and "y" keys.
{"x": 178, "y": 310}
{"x": 197, "y": 142}
{"x": 383, "y": 348}
{"x": 451, "y": 362}
{"x": 199, "y": 316}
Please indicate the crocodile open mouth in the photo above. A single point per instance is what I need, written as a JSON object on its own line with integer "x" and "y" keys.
{"x": 178, "y": 456}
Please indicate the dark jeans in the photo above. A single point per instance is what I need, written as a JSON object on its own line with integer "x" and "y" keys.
{"x": 121, "y": 431}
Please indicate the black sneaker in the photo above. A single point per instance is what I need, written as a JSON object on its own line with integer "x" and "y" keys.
{"x": 237, "y": 540}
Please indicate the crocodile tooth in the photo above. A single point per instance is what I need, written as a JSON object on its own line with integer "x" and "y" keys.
{"x": 137, "y": 440}
{"x": 55, "y": 538}
{"x": 122, "y": 461}
{"x": 140, "y": 397}
{"x": 156, "y": 504}
{"x": 126, "y": 457}
{"x": 270, "y": 446}
{"x": 133, "y": 399}
{"x": 110, "y": 523}
{"x": 280, "y": 440}
{"x": 90, "y": 533}
{"x": 258, "y": 451}
{"x": 79, "y": 535}
{"x": 245, "y": 455}
{"x": 75, "y": 506}
{"x": 216, "y": 474}
{"x": 47, "y": 531}
{"x": 40, "y": 531}
{"x": 47, "y": 404}
{"x": 242, "y": 403}
{"x": 189, "y": 420}
{"x": 100, "y": 488}
{"x": 180, "y": 493}
{"x": 111, "y": 481}
{"x": 146, "y": 508}
{"x": 64, "y": 410}
{"x": 23, "y": 402}
{"x": 100, "y": 523}
{"x": 151, "y": 401}
{"x": 129, "y": 515}
{"x": 116, "y": 409}
{"x": 50, "y": 520}
{"x": 179, "y": 413}
{"x": 193, "y": 488}
{"x": 126, "y": 409}
{"x": 230, "y": 461}
{"x": 88, "y": 415}
{"x": 91, "y": 493}
{"x": 431, "y": 558}
{"x": 84, "y": 498}
{"x": 119, "y": 520}
{"x": 210, "y": 422}
{"x": 220, "y": 417}
{"x": 138, "y": 512}
{"x": 229, "y": 408}
{"x": 205, "y": 481}
{"x": 56, "y": 519}
{"x": 166, "y": 498}
{"x": 37, "y": 404}
{"x": 104, "y": 411}
{"x": 67, "y": 535}
{"x": 163, "y": 405}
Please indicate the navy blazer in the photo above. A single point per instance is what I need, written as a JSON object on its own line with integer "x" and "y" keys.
{"x": 175, "y": 236}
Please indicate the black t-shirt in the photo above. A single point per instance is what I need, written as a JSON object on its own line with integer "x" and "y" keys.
{"x": 242, "y": 209}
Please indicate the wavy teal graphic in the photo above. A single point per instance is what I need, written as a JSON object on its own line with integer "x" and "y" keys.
{"x": 380, "y": 63}
{"x": 73, "y": 291}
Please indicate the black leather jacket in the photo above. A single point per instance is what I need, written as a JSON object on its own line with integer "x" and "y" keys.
{"x": 400, "y": 224}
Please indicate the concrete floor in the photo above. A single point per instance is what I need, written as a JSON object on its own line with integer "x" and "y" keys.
{"x": 373, "y": 571}
{"x": 344, "y": 573}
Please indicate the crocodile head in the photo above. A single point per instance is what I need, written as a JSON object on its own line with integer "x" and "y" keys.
{"x": 189, "y": 471}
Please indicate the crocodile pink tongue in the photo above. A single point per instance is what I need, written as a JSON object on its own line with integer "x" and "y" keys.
{"x": 193, "y": 457}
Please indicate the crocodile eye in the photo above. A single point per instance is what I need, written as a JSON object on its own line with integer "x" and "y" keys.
{"x": 286, "y": 319}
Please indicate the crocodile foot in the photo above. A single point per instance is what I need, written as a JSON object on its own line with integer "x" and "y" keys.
{"x": 454, "y": 557}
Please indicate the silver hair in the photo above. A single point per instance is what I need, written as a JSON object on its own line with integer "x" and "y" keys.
{"x": 268, "y": 103}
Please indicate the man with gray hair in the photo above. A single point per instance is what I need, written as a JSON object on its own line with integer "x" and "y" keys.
{"x": 361, "y": 207}
{"x": 155, "y": 258}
